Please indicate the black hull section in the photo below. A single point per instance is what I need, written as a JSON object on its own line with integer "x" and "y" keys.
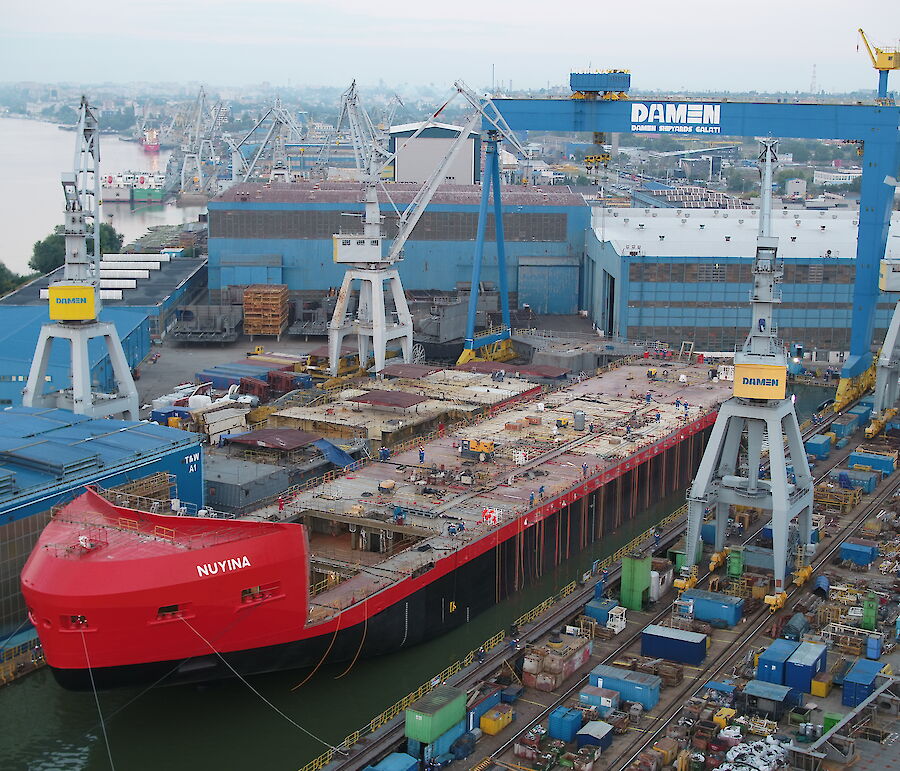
{"x": 449, "y": 601}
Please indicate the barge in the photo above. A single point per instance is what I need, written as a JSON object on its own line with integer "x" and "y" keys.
{"x": 385, "y": 556}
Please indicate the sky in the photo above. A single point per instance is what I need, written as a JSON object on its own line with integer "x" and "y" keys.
{"x": 669, "y": 45}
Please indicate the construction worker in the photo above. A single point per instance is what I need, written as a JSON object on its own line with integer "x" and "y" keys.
{"x": 584, "y": 470}
{"x": 421, "y": 453}
{"x": 531, "y": 499}
{"x": 280, "y": 504}
{"x": 541, "y": 492}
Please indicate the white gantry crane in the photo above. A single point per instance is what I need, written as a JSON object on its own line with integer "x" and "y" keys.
{"x": 758, "y": 411}
{"x": 75, "y": 302}
{"x": 887, "y": 368}
{"x": 362, "y": 250}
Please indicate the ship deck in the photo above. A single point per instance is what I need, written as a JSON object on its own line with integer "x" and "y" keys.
{"x": 447, "y": 489}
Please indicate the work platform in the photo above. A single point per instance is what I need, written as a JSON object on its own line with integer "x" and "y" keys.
{"x": 440, "y": 497}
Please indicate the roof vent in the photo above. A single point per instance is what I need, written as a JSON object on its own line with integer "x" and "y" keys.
{"x": 641, "y": 225}
{"x": 653, "y": 214}
{"x": 727, "y": 238}
{"x": 725, "y": 215}
{"x": 683, "y": 221}
{"x": 796, "y": 216}
{"x": 662, "y": 238}
{"x": 821, "y": 227}
{"x": 702, "y": 226}
{"x": 856, "y": 222}
{"x": 625, "y": 220}
{"x": 740, "y": 222}
{"x": 793, "y": 239}
{"x": 646, "y": 211}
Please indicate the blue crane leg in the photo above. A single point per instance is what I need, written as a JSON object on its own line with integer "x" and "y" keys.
{"x": 880, "y": 163}
{"x": 494, "y": 159}
{"x": 476, "y": 263}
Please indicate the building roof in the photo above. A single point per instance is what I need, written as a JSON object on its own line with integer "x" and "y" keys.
{"x": 284, "y": 439}
{"x": 808, "y": 653}
{"x": 149, "y": 292}
{"x": 389, "y": 399}
{"x": 674, "y": 634}
{"x": 639, "y": 231}
{"x": 402, "y": 194}
{"x": 21, "y": 325}
{"x": 42, "y": 448}
{"x": 411, "y": 371}
{"x": 764, "y": 690}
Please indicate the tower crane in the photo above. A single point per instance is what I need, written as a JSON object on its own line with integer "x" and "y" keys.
{"x": 884, "y": 60}
{"x": 282, "y": 127}
{"x": 758, "y": 410}
{"x": 363, "y": 253}
{"x": 75, "y": 300}
{"x": 494, "y": 344}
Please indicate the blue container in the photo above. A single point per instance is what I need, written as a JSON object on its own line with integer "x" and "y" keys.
{"x": 823, "y": 583}
{"x": 804, "y": 664}
{"x": 596, "y": 733}
{"x": 708, "y": 532}
{"x": 463, "y": 746}
{"x": 842, "y": 443}
{"x": 859, "y": 552}
{"x": 414, "y": 748}
{"x": 604, "y": 699}
{"x": 863, "y": 410}
{"x": 845, "y": 425}
{"x": 564, "y": 724}
{"x": 873, "y": 648}
{"x": 673, "y": 644}
{"x": 713, "y": 606}
{"x": 442, "y": 744}
{"x": 818, "y": 446}
{"x": 511, "y": 695}
{"x": 474, "y": 713}
{"x": 632, "y": 686}
{"x": 859, "y": 682}
{"x": 770, "y": 667}
{"x": 398, "y": 761}
{"x": 866, "y": 481}
{"x": 882, "y": 463}
{"x": 599, "y": 610}
{"x": 600, "y": 81}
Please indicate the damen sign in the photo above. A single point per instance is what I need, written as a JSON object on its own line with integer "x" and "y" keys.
{"x": 676, "y": 117}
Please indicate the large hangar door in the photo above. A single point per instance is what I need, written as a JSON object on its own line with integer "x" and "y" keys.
{"x": 549, "y": 284}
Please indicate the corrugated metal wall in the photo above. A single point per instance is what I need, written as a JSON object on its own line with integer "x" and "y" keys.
{"x": 548, "y": 285}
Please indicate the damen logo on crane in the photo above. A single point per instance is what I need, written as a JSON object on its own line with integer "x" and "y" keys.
{"x": 676, "y": 117}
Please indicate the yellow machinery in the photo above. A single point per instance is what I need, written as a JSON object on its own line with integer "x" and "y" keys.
{"x": 257, "y": 351}
{"x": 852, "y": 388}
{"x": 499, "y": 350}
{"x": 884, "y": 60}
{"x": 877, "y": 425}
{"x": 718, "y": 559}
{"x": 775, "y": 601}
{"x": 563, "y": 422}
{"x": 475, "y": 448}
{"x": 686, "y": 582}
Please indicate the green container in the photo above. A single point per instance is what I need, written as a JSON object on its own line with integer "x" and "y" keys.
{"x": 635, "y": 582}
{"x": 870, "y": 612}
{"x": 677, "y": 556}
{"x": 735, "y": 562}
{"x": 435, "y": 713}
{"x": 830, "y": 720}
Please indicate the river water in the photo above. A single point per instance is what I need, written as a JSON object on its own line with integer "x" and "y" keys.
{"x": 227, "y": 726}
{"x": 32, "y": 157}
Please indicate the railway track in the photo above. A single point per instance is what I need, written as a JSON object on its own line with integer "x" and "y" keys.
{"x": 759, "y": 620}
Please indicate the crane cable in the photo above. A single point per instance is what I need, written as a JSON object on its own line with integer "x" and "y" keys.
{"x": 361, "y": 642}
{"x": 97, "y": 701}
{"x": 263, "y": 698}
{"x": 306, "y": 679}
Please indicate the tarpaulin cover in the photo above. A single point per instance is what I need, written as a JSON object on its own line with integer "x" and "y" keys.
{"x": 334, "y": 453}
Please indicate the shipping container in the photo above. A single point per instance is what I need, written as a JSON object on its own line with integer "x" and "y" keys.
{"x": 883, "y": 463}
{"x": 442, "y": 744}
{"x": 822, "y": 684}
{"x": 604, "y": 699}
{"x": 859, "y": 551}
{"x": 564, "y": 724}
{"x": 435, "y": 713}
{"x": 632, "y": 686}
{"x": 818, "y": 446}
{"x": 795, "y": 628}
{"x": 477, "y": 709}
{"x": 805, "y": 663}
{"x": 708, "y": 532}
{"x": 713, "y": 606}
{"x": 496, "y": 719}
{"x": 596, "y": 733}
{"x": 873, "y": 648}
{"x": 398, "y": 761}
{"x": 866, "y": 481}
{"x": 770, "y": 665}
{"x": 673, "y": 644}
{"x": 599, "y": 610}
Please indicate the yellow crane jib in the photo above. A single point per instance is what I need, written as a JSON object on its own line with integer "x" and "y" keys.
{"x": 718, "y": 559}
{"x": 802, "y": 574}
{"x": 884, "y": 60}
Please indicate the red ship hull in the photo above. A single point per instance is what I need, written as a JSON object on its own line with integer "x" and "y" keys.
{"x": 133, "y": 597}
{"x": 151, "y": 148}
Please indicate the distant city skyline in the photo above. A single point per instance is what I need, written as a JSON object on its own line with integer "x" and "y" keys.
{"x": 674, "y": 46}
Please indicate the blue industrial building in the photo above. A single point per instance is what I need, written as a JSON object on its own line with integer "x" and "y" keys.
{"x": 282, "y": 234}
{"x": 155, "y": 293}
{"x": 19, "y": 329}
{"x": 47, "y": 456}
{"x": 685, "y": 275}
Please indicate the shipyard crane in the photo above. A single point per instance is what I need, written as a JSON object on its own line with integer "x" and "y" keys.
{"x": 887, "y": 367}
{"x": 76, "y": 298}
{"x": 494, "y": 344}
{"x": 884, "y": 60}
{"x": 759, "y": 411}
{"x": 363, "y": 252}
{"x": 282, "y": 127}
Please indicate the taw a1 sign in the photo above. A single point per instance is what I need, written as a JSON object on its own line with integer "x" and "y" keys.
{"x": 676, "y": 117}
